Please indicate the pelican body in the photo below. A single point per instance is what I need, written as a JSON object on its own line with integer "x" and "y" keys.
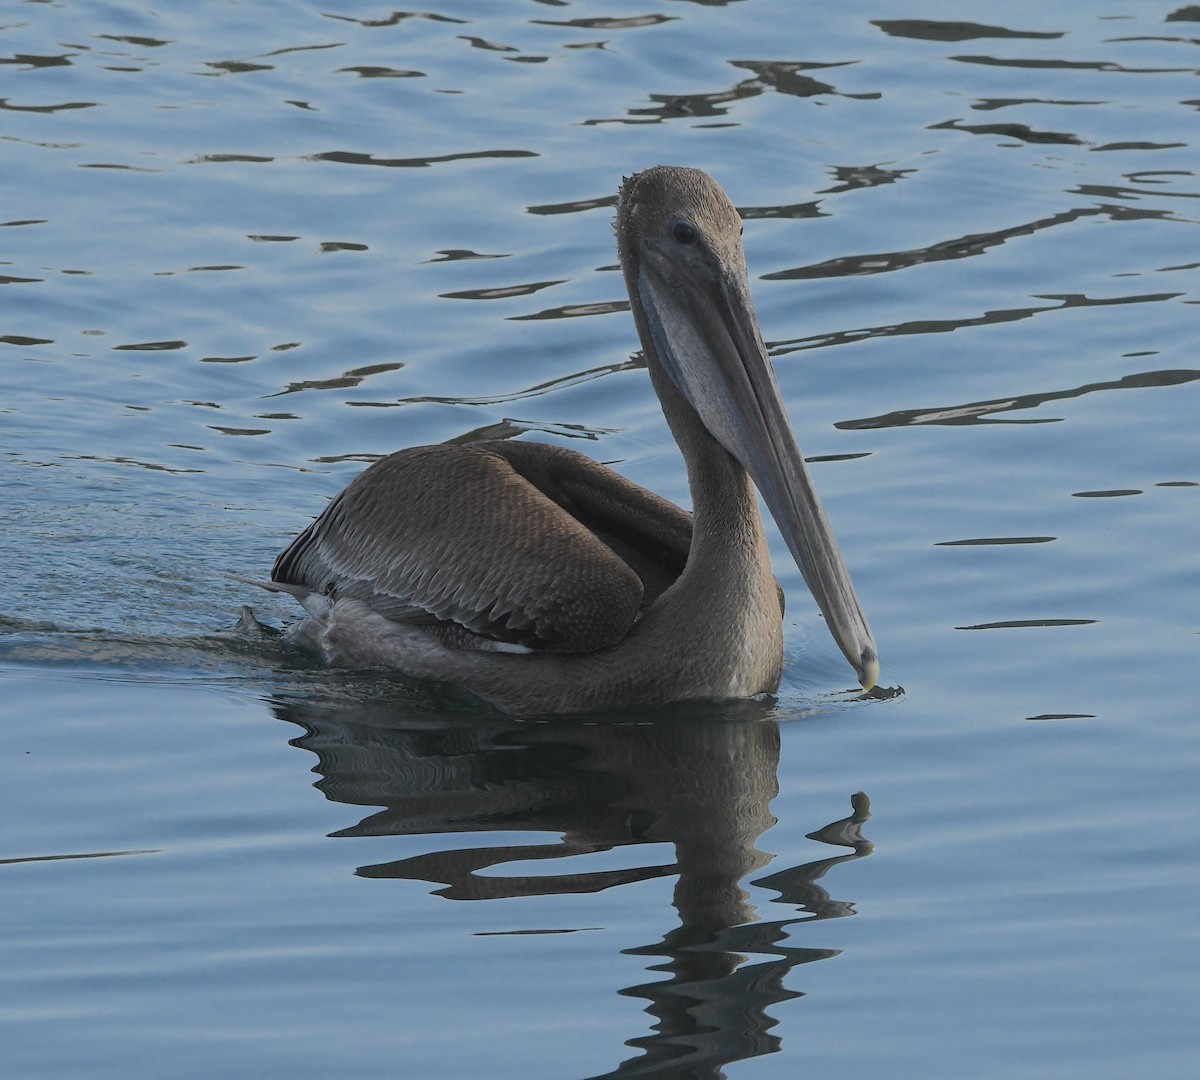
{"x": 543, "y": 582}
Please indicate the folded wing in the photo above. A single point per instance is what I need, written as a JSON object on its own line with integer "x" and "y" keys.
{"x": 516, "y": 542}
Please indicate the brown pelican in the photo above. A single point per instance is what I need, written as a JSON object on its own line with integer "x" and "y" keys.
{"x": 542, "y": 581}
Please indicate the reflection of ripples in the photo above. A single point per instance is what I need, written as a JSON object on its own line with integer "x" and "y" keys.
{"x": 1066, "y": 65}
{"x": 700, "y": 781}
{"x": 1028, "y": 624}
{"x": 938, "y": 30}
{"x": 502, "y": 292}
{"x": 537, "y": 390}
{"x": 959, "y": 247}
{"x": 347, "y": 380}
{"x": 784, "y": 78}
{"x": 980, "y": 411}
{"x": 348, "y": 157}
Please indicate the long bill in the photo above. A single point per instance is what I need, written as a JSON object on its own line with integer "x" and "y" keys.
{"x": 706, "y": 334}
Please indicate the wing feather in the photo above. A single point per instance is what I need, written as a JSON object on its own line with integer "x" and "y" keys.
{"x": 460, "y": 534}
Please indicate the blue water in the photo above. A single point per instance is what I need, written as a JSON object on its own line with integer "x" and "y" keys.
{"x": 244, "y": 249}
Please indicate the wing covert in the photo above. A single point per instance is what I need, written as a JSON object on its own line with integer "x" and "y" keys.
{"x": 457, "y": 534}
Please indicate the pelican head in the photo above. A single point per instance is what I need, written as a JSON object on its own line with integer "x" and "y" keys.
{"x": 679, "y": 239}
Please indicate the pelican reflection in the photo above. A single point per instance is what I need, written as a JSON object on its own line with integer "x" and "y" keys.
{"x": 700, "y": 780}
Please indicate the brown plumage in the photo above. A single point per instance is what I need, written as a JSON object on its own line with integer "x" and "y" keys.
{"x": 544, "y": 582}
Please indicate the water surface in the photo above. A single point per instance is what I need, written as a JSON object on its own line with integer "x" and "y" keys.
{"x": 243, "y": 254}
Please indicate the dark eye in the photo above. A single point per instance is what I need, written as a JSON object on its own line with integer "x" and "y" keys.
{"x": 683, "y": 233}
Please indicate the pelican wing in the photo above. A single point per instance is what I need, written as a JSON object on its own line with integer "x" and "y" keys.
{"x": 517, "y": 542}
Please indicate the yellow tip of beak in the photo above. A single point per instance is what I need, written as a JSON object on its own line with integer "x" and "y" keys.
{"x": 868, "y": 673}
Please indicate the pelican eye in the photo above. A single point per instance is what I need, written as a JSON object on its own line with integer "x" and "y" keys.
{"x": 683, "y": 232}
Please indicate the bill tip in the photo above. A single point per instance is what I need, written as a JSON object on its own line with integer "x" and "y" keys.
{"x": 868, "y": 668}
